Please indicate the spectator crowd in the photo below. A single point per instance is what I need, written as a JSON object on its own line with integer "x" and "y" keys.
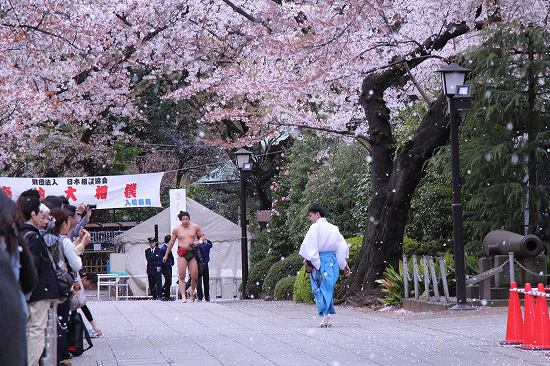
{"x": 40, "y": 269}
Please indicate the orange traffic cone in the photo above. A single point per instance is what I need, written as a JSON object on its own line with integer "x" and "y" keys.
{"x": 514, "y": 327}
{"x": 528, "y": 319}
{"x": 541, "y": 339}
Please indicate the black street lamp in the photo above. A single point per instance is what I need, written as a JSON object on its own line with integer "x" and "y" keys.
{"x": 459, "y": 100}
{"x": 244, "y": 164}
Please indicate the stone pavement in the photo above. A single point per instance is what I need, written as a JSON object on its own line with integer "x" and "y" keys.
{"x": 255, "y": 332}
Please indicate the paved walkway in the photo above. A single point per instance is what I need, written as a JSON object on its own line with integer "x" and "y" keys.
{"x": 146, "y": 333}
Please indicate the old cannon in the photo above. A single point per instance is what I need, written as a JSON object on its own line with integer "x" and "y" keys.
{"x": 526, "y": 251}
{"x": 501, "y": 242}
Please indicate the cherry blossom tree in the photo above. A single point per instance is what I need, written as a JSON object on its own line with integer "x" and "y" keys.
{"x": 347, "y": 67}
{"x": 72, "y": 68}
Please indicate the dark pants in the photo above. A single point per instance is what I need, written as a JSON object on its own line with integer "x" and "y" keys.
{"x": 63, "y": 310}
{"x": 203, "y": 277}
{"x": 155, "y": 284}
{"x": 167, "y": 274}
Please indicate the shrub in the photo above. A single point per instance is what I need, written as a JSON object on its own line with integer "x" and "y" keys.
{"x": 354, "y": 248}
{"x": 393, "y": 285}
{"x": 257, "y": 275}
{"x": 287, "y": 267}
{"x": 302, "y": 287}
{"x": 284, "y": 288}
{"x": 411, "y": 246}
{"x": 259, "y": 246}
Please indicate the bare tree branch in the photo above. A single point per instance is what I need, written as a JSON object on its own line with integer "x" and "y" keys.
{"x": 418, "y": 86}
{"x": 241, "y": 11}
{"x": 248, "y": 16}
{"x": 123, "y": 18}
{"x": 37, "y": 29}
{"x": 391, "y": 64}
{"x": 317, "y": 128}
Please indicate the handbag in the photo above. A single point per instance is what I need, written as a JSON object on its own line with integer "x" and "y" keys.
{"x": 64, "y": 279}
{"x": 76, "y": 334}
{"x": 309, "y": 267}
{"x": 78, "y": 300}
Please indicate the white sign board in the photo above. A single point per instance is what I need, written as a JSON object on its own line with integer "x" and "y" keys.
{"x": 178, "y": 202}
{"x": 109, "y": 191}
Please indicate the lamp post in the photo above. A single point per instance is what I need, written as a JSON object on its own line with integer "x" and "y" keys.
{"x": 459, "y": 100}
{"x": 244, "y": 164}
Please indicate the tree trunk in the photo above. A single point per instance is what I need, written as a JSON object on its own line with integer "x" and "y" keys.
{"x": 394, "y": 183}
{"x": 394, "y": 180}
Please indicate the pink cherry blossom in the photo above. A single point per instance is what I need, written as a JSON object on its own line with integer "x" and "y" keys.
{"x": 70, "y": 66}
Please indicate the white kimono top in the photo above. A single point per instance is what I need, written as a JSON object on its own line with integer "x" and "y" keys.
{"x": 324, "y": 237}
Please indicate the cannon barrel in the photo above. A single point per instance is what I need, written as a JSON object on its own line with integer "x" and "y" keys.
{"x": 501, "y": 242}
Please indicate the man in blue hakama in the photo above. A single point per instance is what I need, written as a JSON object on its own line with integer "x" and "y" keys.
{"x": 327, "y": 251}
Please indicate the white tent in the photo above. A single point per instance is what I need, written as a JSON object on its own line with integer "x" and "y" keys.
{"x": 224, "y": 235}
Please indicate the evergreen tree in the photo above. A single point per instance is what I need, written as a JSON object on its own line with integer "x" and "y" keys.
{"x": 507, "y": 133}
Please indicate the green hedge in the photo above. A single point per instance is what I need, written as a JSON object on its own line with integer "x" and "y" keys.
{"x": 287, "y": 267}
{"x": 355, "y": 247}
{"x": 284, "y": 288}
{"x": 302, "y": 287}
{"x": 259, "y": 246}
{"x": 257, "y": 275}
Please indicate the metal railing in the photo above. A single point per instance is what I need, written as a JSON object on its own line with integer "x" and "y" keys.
{"x": 50, "y": 347}
{"x": 105, "y": 236}
{"x": 429, "y": 276}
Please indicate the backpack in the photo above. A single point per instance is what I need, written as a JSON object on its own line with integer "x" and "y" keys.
{"x": 65, "y": 280}
{"x": 76, "y": 333}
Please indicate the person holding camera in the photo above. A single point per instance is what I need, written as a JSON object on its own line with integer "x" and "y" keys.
{"x": 80, "y": 219}
{"x": 324, "y": 250}
{"x": 83, "y": 237}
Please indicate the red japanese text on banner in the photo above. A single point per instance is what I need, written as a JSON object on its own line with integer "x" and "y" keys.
{"x": 109, "y": 191}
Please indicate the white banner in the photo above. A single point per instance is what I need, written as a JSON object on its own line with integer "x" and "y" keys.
{"x": 110, "y": 191}
{"x": 178, "y": 202}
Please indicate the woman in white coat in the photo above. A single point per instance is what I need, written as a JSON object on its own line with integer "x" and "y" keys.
{"x": 68, "y": 260}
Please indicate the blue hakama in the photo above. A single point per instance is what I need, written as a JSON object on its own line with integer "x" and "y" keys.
{"x": 323, "y": 281}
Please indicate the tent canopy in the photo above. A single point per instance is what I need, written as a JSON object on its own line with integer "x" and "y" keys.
{"x": 213, "y": 225}
{"x": 224, "y": 235}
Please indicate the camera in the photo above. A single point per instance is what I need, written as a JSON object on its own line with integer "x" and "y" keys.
{"x": 85, "y": 212}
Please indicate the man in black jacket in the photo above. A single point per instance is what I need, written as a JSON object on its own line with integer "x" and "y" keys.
{"x": 154, "y": 265}
{"x": 39, "y": 302}
{"x": 204, "y": 271}
{"x": 166, "y": 268}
